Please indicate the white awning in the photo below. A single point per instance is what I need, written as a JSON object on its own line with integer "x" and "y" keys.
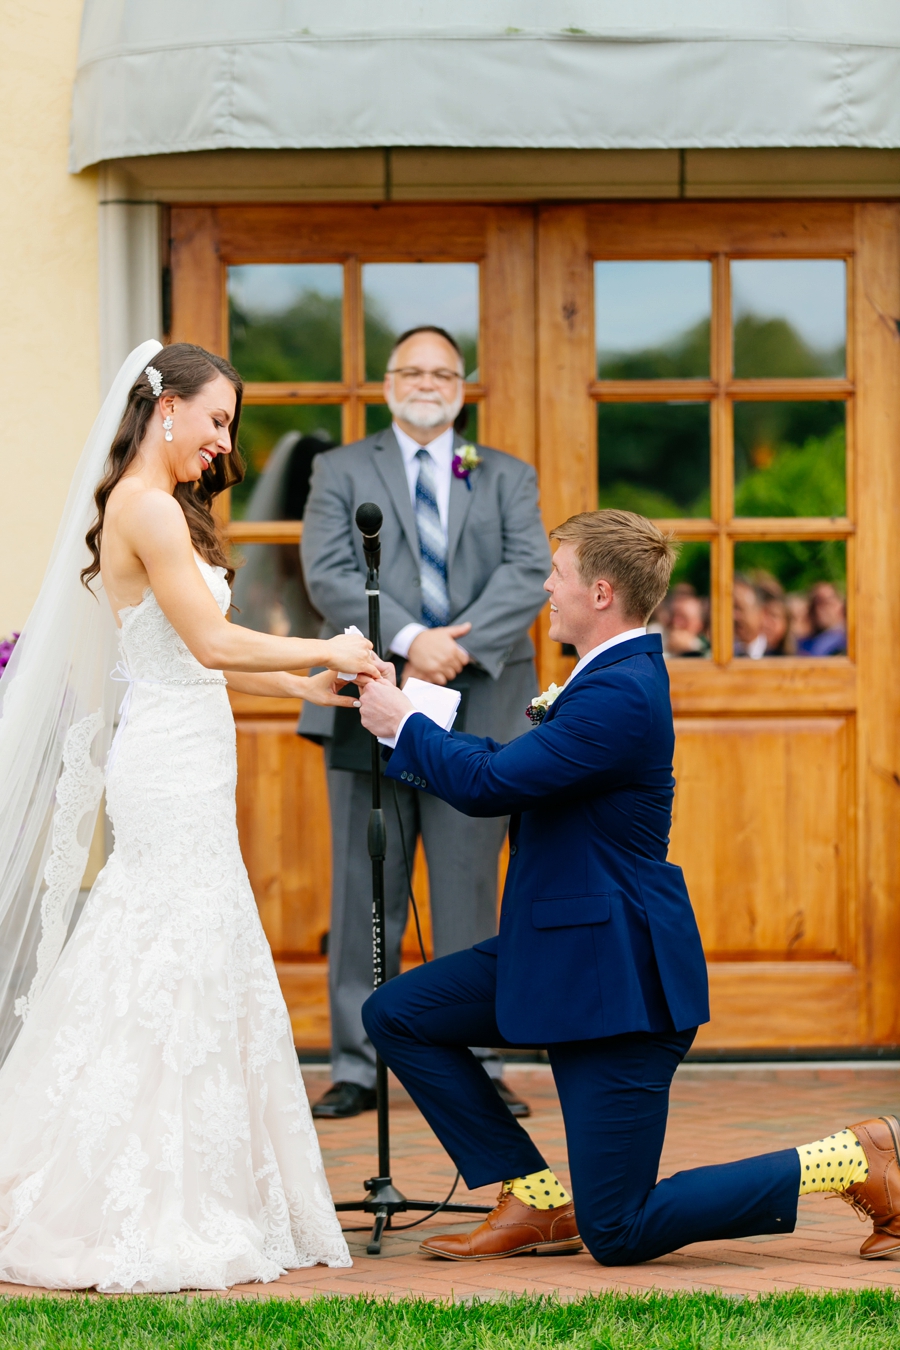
{"x": 180, "y": 75}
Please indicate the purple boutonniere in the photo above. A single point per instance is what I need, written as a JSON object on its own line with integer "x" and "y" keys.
{"x": 6, "y": 650}
{"x": 465, "y": 459}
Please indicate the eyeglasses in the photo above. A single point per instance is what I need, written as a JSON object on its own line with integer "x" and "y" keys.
{"x": 413, "y": 375}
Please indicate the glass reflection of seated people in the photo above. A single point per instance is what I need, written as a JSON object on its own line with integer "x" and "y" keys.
{"x": 269, "y": 590}
{"x": 683, "y": 620}
{"x": 776, "y": 626}
{"x": 798, "y": 618}
{"x": 749, "y": 637}
{"x": 774, "y": 617}
{"x": 828, "y": 624}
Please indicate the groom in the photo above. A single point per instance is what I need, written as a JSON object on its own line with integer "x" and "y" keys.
{"x": 598, "y": 956}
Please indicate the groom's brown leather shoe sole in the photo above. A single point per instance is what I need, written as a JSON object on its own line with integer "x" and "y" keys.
{"x": 878, "y": 1197}
{"x": 511, "y": 1229}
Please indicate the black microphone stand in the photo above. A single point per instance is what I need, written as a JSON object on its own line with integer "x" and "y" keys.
{"x": 383, "y": 1199}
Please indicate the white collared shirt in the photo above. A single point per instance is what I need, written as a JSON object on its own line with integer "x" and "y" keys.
{"x": 441, "y": 451}
{"x": 604, "y": 646}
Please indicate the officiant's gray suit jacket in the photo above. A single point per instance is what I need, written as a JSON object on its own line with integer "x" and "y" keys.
{"x": 497, "y": 561}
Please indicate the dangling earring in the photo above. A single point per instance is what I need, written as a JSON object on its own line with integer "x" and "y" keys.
{"x": 167, "y": 424}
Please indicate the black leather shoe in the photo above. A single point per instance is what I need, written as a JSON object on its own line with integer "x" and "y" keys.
{"x": 515, "y": 1104}
{"x": 344, "y": 1099}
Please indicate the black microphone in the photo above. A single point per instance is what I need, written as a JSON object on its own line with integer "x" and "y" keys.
{"x": 369, "y": 518}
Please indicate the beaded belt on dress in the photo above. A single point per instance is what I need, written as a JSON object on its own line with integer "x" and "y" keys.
{"x": 122, "y": 675}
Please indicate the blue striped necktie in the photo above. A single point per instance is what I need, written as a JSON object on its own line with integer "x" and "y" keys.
{"x": 432, "y": 546}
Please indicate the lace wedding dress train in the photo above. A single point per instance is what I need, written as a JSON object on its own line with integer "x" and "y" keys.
{"x": 154, "y": 1129}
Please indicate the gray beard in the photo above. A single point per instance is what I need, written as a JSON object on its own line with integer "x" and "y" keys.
{"x": 425, "y": 416}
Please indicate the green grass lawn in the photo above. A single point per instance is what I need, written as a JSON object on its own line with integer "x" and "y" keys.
{"x": 869, "y": 1320}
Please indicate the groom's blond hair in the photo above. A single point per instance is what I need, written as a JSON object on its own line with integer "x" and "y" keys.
{"x": 625, "y": 549}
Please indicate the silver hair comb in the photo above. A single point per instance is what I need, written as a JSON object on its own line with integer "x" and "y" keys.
{"x": 156, "y": 380}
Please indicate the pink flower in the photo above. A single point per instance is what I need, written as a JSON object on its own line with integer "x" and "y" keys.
{"x": 6, "y": 650}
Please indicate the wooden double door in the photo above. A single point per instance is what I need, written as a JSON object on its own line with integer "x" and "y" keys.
{"x": 728, "y": 368}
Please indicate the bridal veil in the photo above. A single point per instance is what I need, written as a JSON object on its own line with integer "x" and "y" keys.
{"x": 57, "y": 707}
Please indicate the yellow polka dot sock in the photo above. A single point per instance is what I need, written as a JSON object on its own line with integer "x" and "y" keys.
{"x": 540, "y": 1190}
{"x": 832, "y": 1164}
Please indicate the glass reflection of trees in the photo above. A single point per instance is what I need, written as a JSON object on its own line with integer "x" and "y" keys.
{"x": 772, "y": 348}
{"x": 684, "y": 358}
{"x": 789, "y": 457}
{"x": 299, "y": 343}
{"x": 263, "y": 426}
{"x": 654, "y": 457}
{"x": 380, "y": 336}
{"x": 302, "y": 343}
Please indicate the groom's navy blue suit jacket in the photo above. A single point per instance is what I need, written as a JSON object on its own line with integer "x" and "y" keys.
{"x": 597, "y": 935}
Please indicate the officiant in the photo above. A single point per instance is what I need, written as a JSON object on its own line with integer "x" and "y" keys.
{"x": 464, "y": 557}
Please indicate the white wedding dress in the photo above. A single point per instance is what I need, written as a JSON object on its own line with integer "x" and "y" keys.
{"x": 154, "y": 1128}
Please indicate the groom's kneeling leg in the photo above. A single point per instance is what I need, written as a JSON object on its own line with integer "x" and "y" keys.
{"x": 421, "y": 1024}
{"x": 615, "y": 1096}
{"x": 704, "y": 1204}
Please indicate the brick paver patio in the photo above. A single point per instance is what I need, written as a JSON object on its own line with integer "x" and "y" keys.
{"x": 718, "y": 1113}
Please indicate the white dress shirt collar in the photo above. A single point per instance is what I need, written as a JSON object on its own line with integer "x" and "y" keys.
{"x": 604, "y": 646}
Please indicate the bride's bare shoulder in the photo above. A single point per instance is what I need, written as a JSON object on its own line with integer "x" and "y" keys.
{"x": 137, "y": 507}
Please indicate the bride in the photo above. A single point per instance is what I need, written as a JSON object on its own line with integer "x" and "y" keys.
{"x": 154, "y": 1129}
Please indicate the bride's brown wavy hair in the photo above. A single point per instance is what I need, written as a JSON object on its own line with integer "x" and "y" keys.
{"x": 185, "y": 370}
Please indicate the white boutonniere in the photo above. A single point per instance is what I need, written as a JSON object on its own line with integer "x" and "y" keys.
{"x": 537, "y": 708}
{"x": 465, "y": 459}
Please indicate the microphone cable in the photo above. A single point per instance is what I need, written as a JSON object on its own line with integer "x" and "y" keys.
{"x": 407, "y": 864}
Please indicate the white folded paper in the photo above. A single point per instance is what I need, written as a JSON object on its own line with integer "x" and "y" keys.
{"x": 434, "y": 700}
{"x": 342, "y": 674}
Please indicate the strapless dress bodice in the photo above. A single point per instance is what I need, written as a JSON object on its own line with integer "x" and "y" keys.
{"x": 149, "y": 647}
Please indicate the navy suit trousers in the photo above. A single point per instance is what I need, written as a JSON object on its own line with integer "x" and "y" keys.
{"x": 614, "y": 1094}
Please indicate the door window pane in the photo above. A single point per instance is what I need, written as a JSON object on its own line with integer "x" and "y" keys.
{"x": 270, "y": 593}
{"x": 789, "y": 598}
{"x": 790, "y": 317}
{"x": 378, "y": 417}
{"x": 790, "y": 459}
{"x": 654, "y": 457}
{"x": 285, "y": 320}
{"x": 397, "y": 296}
{"x": 277, "y": 437}
{"x": 652, "y": 319}
{"x": 683, "y": 618}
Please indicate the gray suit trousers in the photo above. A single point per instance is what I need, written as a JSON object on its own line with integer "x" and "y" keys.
{"x": 462, "y": 854}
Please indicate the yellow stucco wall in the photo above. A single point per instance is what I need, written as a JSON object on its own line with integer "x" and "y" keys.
{"x": 49, "y": 313}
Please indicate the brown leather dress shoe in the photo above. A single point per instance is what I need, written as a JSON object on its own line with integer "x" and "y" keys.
{"x": 878, "y": 1197}
{"x": 511, "y": 1229}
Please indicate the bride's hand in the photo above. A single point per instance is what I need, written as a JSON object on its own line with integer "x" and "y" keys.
{"x": 324, "y": 689}
{"x": 350, "y": 653}
{"x": 386, "y": 669}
